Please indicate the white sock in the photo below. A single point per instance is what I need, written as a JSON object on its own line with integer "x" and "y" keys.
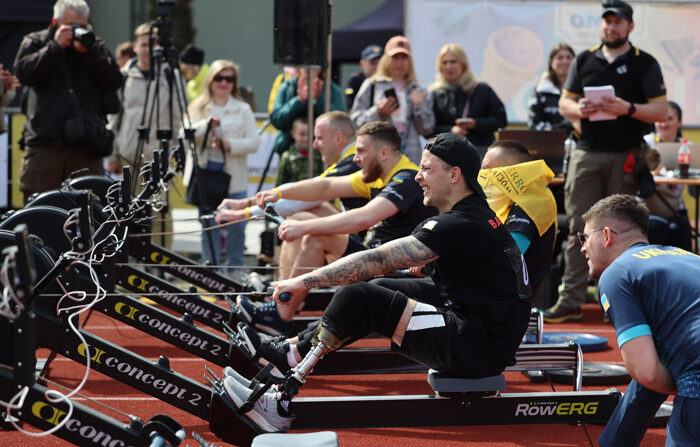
{"x": 291, "y": 359}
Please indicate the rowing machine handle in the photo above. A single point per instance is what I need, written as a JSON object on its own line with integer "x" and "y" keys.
{"x": 284, "y": 296}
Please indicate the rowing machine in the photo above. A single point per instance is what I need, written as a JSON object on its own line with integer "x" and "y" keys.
{"x": 81, "y": 425}
{"x": 455, "y": 401}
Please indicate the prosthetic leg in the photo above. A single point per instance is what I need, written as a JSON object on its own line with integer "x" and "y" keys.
{"x": 238, "y": 424}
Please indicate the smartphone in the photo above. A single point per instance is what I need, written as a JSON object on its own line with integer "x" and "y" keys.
{"x": 462, "y": 120}
{"x": 390, "y": 93}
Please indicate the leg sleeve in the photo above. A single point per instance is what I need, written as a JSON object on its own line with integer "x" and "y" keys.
{"x": 632, "y": 417}
{"x": 359, "y": 309}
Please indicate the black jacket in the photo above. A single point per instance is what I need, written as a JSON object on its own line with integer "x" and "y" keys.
{"x": 485, "y": 107}
{"x": 42, "y": 65}
{"x": 543, "y": 108}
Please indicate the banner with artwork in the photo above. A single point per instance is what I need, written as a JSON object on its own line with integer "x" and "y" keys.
{"x": 508, "y": 42}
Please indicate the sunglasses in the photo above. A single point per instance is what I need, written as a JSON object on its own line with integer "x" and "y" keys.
{"x": 582, "y": 237}
{"x": 220, "y": 78}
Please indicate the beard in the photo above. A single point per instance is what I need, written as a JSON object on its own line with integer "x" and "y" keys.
{"x": 614, "y": 43}
{"x": 372, "y": 173}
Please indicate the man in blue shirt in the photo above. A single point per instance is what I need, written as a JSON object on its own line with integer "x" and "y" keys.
{"x": 652, "y": 295}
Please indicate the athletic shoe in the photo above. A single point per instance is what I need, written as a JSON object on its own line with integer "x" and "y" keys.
{"x": 230, "y": 372}
{"x": 267, "y": 412}
{"x": 263, "y": 316}
{"x": 557, "y": 314}
{"x": 267, "y": 349}
{"x": 264, "y": 338}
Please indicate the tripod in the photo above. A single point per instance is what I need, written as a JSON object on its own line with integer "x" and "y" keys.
{"x": 165, "y": 83}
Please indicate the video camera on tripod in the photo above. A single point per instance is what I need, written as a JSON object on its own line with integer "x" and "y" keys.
{"x": 164, "y": 31}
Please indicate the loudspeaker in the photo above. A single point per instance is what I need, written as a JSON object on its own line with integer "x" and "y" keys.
{"x": 301, "y": 32}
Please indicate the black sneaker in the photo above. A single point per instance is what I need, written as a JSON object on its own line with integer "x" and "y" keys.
{"x": 557, "y": 314}
{"x": 265, "y": 352}
{"x": 264, "y": 338}
{"x": 263, "y": 316}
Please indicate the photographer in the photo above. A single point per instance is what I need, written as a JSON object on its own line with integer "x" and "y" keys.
{"x": 69, "y": 72}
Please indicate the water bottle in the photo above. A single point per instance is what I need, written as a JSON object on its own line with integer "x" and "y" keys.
{"x": 569, "y": 146}
{"x": 684, "y": 159}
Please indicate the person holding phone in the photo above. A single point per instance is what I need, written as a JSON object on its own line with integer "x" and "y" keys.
{"x": 393, "y": 94}
{"x": 462, "y": 105}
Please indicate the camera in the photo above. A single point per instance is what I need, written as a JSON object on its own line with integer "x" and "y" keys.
{"x": 164, "y": 8}
{"x": 84, "y": 35}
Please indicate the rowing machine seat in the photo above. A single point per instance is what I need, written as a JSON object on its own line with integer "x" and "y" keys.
{"x": 444, "y": 383}
{"x": 318, "y": 439}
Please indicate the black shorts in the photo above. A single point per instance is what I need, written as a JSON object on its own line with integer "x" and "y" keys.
{"x": 443, "y": 340}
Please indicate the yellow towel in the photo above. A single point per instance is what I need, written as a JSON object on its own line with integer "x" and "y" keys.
{"x": 524, "y": 184}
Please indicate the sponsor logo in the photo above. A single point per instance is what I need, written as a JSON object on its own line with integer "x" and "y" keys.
{"x": 191, "y": 274}
{"x": 182, "y": 303}
{"x": 166, "y": 328}
{"x": 54, "y": 416}
{"x": 159, "y": 386}
{"x": 556, "y": 408}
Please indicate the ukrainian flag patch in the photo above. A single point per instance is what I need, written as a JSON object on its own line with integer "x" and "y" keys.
{"x": 429, "y": 225}
{"x": 398, "y": 179}
{"x": 604, "y": 302}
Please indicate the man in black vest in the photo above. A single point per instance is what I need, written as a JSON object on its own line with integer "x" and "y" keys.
{"x": 603, "y": 162}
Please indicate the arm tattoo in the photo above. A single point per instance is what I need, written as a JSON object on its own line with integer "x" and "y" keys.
{"x": 400, "y": 253}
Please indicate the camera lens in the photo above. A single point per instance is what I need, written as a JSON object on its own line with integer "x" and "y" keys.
{"x": 85, "y": 36}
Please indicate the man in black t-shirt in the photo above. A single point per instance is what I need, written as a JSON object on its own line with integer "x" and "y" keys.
{"x": 603, "y": 162}
{"x": 473, "y": 261}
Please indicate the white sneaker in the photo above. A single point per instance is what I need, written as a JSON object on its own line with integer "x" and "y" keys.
{"x": 265, "y": 412}
{"x": 230, "y": 372}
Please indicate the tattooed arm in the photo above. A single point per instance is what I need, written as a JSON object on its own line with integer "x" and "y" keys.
{"x": 400, "y": 253}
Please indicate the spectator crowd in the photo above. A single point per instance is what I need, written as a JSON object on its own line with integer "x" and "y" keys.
{"x": 93, "y": 111}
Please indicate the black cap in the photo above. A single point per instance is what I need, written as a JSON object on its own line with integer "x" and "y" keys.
{"x": 458, "y": 151}
{"x": 372, "y": 52}
{"x": 618, "y": 7}
{"x": 192, "y": 55}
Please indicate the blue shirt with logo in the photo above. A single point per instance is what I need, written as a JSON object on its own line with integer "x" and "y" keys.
{"x": 655, "y": 290}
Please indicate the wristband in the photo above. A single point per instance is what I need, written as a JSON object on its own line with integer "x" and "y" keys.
{"x": 631, "y": 109}
{"x": 279, "y": 193}
{"x": 249, "y": 202}
{"x": 247, "y": 212}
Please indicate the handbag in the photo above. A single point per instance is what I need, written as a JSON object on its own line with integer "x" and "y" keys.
{"x": 86, "y": 130}
{"x": 214, "y": 184}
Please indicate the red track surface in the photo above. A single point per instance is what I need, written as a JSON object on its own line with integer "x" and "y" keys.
{"x": 128, "y": 400}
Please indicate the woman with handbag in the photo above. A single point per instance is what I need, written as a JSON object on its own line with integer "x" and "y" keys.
{"x": 463, "y": 105}
{"x": 225, "y": 133}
